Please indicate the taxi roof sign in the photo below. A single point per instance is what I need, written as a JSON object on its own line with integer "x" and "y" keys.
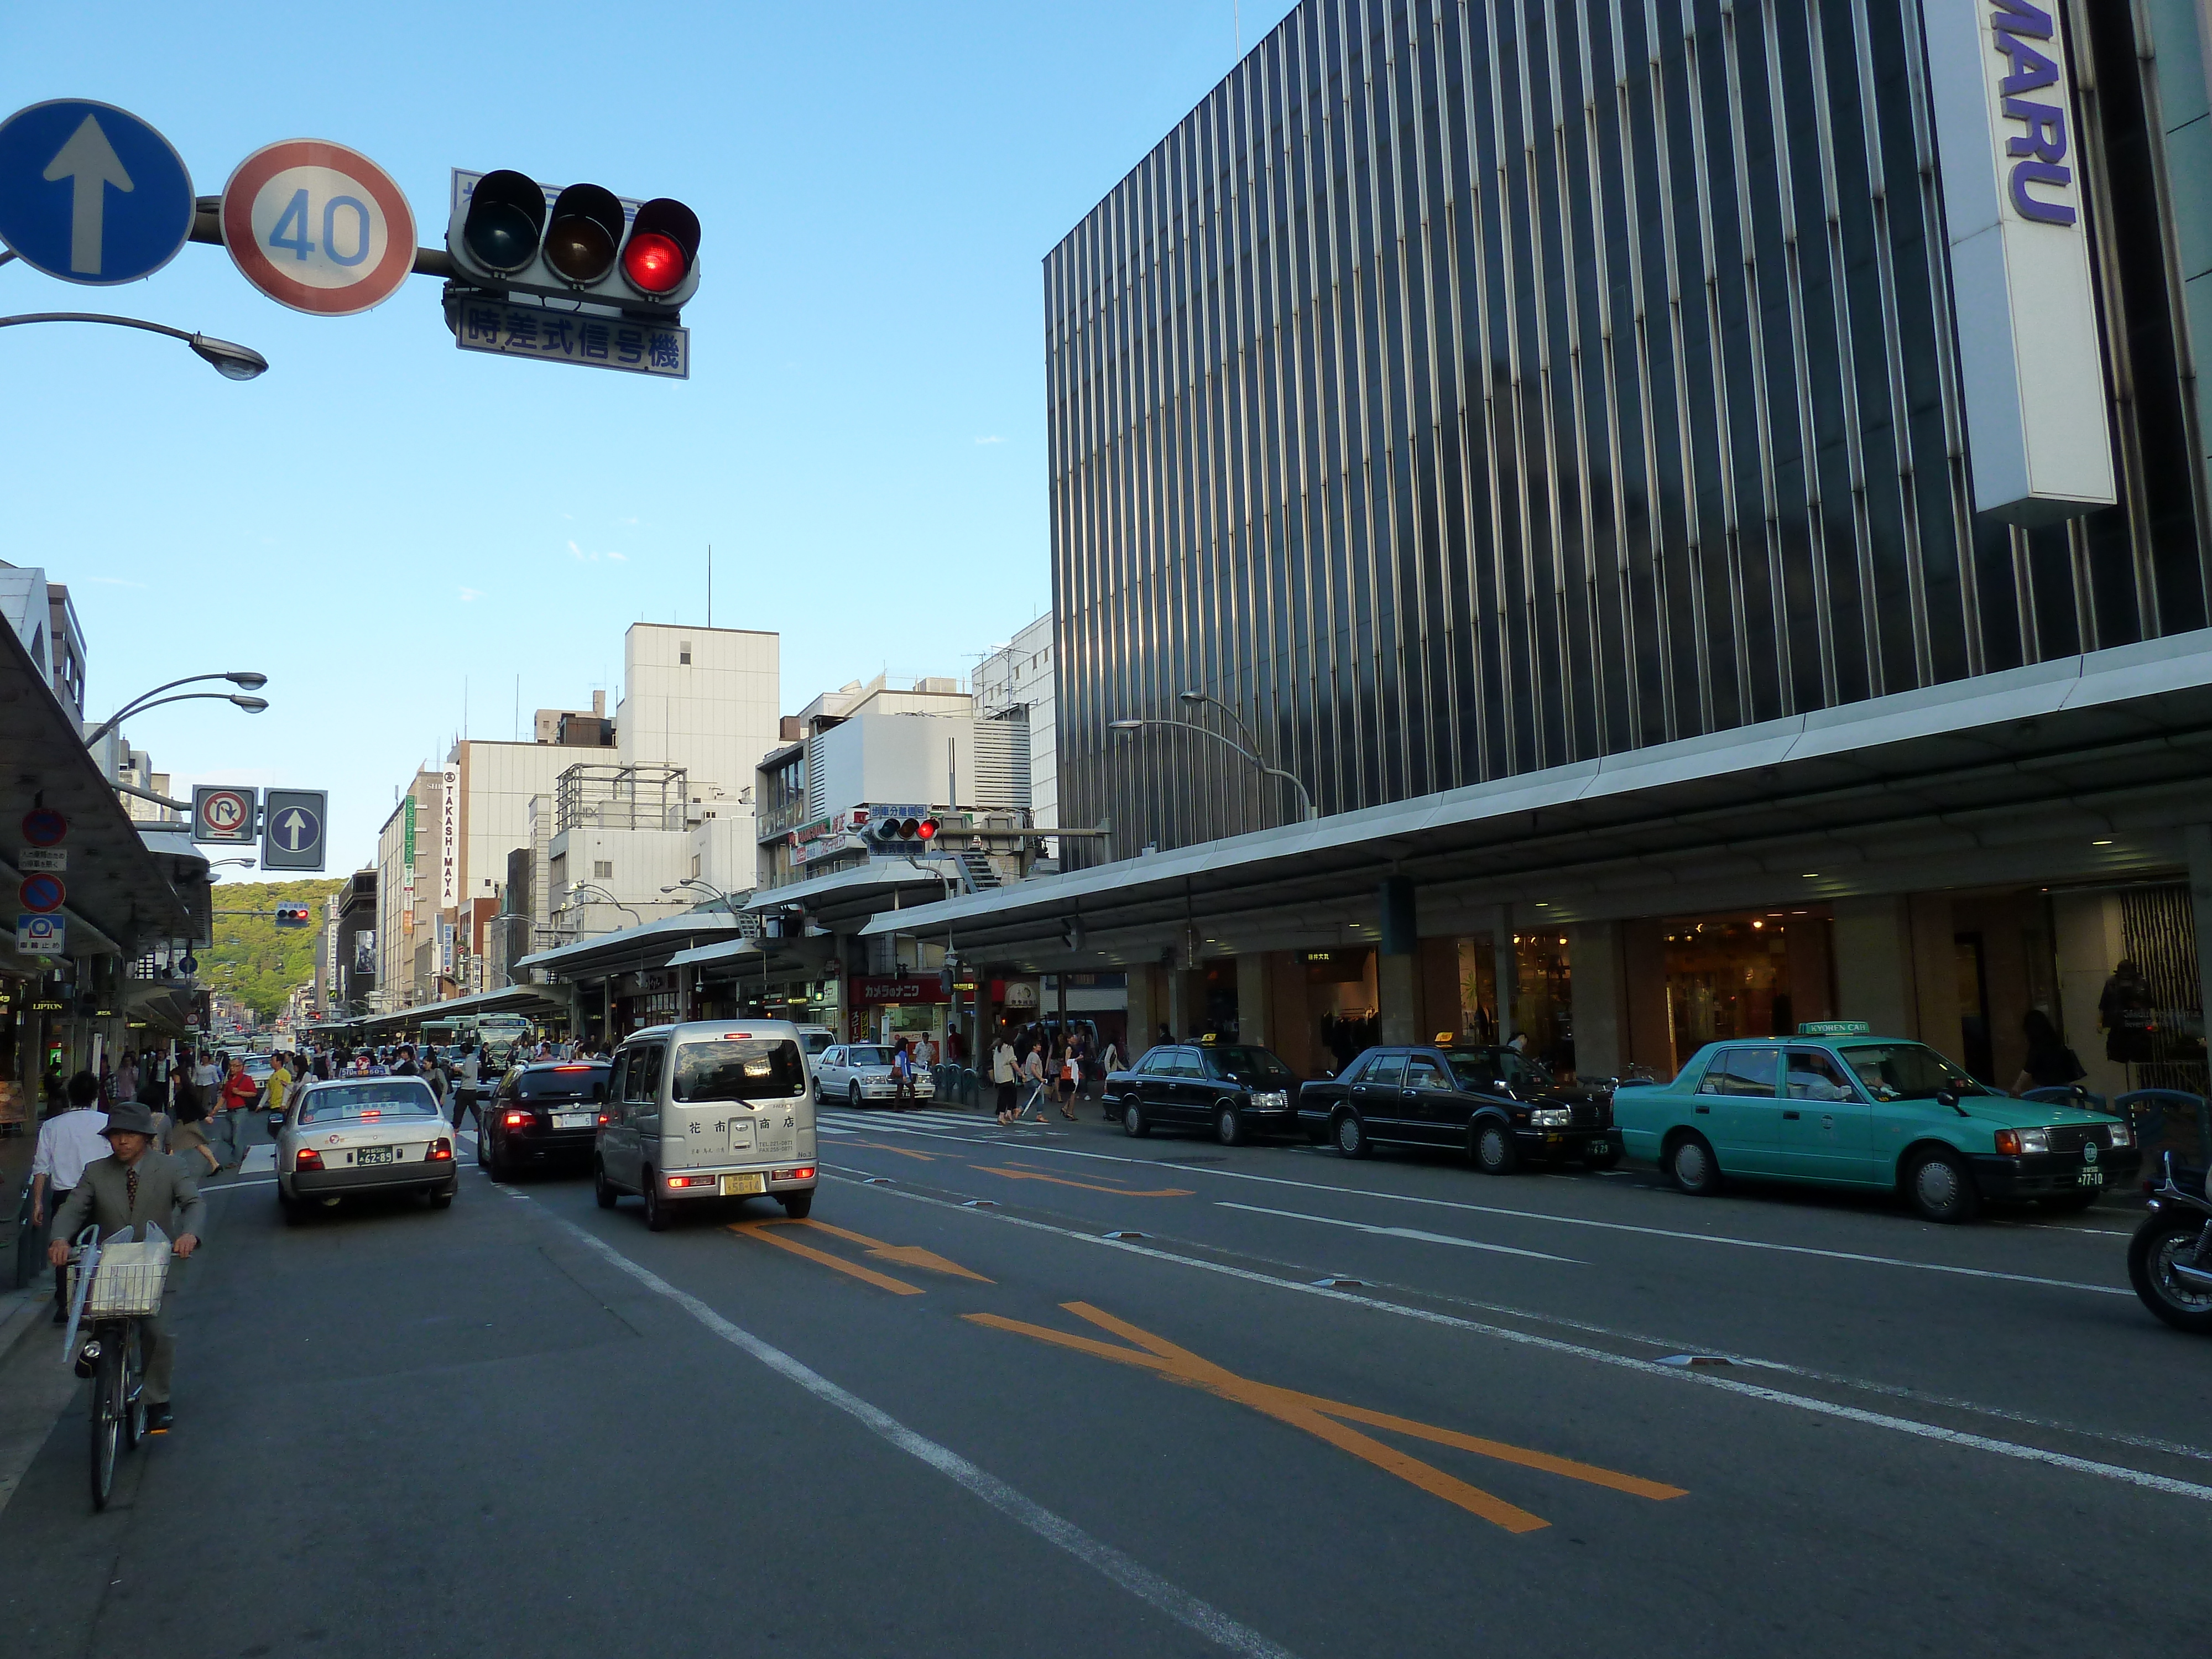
{"x": 1834, "y": 1028}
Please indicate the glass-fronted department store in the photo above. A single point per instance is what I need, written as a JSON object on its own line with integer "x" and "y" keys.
{"x": 1665, "y": 478}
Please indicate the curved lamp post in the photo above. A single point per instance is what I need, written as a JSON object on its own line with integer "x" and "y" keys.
{"x": 245, "y": 677}
{"x": 609, "y": 898}
{"x": 1291, "y": 778}
{"x": 231, "y": 360}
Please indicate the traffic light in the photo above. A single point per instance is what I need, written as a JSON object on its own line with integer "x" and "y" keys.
{"x": 896, "y": 834}
{"x": 508, "y": 233}
{"x": 291, "y": 915}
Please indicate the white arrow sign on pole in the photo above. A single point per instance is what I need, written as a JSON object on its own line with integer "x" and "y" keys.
{"x": 90, "y": 161}
{"x": 293, "y": 825}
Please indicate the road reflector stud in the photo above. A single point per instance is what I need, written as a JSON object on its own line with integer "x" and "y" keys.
{"x": 1125, "y": 1232}
{"x": 876, "y": 1181}
{"x": 1699, "y": 1360}
{"x": 1339, "y": 1282}
{"x": 978, "y": 1204}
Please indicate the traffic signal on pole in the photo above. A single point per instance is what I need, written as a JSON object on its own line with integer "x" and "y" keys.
{"x": 508, "y": 233}
{"x": 291, "y": 915}
{"x": 904, "y": 834}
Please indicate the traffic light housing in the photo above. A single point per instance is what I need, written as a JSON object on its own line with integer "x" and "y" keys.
{"x": 510, "y": 234}
{"x": 896, "y": 834}
{"x": 291, "y": 915}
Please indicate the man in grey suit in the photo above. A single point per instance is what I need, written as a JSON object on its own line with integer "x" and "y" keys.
{"x": 131, "y": 1185}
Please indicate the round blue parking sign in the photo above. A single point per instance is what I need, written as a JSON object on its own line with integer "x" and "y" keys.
{"x": 90, "y": 193}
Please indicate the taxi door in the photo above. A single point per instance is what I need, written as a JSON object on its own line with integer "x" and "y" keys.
{"x": 1827, "y": 1125}
{"x": 1740, "y": 1111}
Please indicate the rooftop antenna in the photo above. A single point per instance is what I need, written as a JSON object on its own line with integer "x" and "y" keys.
{"x": 710, "y": 584}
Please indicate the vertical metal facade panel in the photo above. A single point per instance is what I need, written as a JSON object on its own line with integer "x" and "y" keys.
{"x": 1471, "y": 386}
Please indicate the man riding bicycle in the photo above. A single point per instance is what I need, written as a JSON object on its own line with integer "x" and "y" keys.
{"x": 133, "y": 1185}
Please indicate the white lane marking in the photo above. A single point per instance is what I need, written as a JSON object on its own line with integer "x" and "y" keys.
{"x": 1185, "y": 1168}
{"x": 257, "y": 1159}
{"x": 1099, "y": 1556}
{"x": 1649, "y": 1367}
{"x": 233, "y": 1186}
{"x": 1414, "y": 1233}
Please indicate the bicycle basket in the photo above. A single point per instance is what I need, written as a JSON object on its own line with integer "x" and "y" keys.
{"x": 128, "y": 1283}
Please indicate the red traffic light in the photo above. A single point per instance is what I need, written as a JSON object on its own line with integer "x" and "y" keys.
{"x": 926, "y": 828}
{"x": 663, "y": 241}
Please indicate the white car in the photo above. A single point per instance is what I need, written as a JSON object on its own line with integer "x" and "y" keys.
{"x": 857, "y": 1073}
{"x": 353, "y": 1136}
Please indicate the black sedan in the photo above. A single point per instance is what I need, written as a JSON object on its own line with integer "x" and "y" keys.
{"x": 1232, "y": 1088}
{"x": 1499, "y": 1106}
{"x": 544, "y": 1113}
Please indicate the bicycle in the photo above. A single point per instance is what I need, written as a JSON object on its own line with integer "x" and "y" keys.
{"x": 111, "y": 1298}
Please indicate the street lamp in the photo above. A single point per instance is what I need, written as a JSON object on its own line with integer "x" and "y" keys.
{"x": 239, "y": 676}
{"x": 727, "y": 901}
{"x": 1291, "y": 778}
{"x": 594, "y": 887}
{"x": 228, "y": 359}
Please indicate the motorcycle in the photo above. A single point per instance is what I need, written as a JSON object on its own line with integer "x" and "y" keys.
{"x": 2170, "y": 1258}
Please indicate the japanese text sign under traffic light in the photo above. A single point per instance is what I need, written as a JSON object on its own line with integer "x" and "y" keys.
{"x": 562, "y": 337}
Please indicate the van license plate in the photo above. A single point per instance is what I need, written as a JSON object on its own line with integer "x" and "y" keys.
{"x": 575, "y": 1119}
{"x": 2093, "y": 1177}
{"x": 734, "y": 1186}
{"x": 372, "y": 1155}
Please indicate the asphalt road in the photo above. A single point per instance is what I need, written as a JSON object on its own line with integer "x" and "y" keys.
{"x": 949, "y": 1415}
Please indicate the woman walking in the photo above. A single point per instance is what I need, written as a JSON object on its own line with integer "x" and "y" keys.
{"x": 1007, "y": 1076}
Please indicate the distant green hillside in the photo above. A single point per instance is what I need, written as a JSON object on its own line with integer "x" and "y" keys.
{"x": 270, "y": 960}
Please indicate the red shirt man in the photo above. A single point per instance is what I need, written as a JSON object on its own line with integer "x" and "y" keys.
{"x": 239, "y": 1090}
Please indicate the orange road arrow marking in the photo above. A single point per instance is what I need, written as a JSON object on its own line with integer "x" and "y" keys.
{"x": 909, "y": 1256}
{"x": 1089, "y": 1186}
{"x": 882, "y": 1146}
{"x": 881, "y": 1281}
{"x": 1314, "y": 1415}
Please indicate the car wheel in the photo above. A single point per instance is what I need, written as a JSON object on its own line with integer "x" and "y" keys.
{"x": 603, "y": 1193}
{"x": 656, "y": 1207}
{"x": 1692, "y": 1168}
{"x": 1942, "y": 1187}
{"x": 502, "y": 1167}
{"x": 481, "y": 1138}
{"x": 294, "y": 1215}
{"x": 1229, "y": 1125}
{"x": 797, "y": 1205}
{"x": 441, "y": 1201}
{"x": 1601, "y": 1155}
{"x": 853, "y": 1096}
{"x": 1495, "y": 1150}
{"x": 2151, "y": 1255}
{"x": 1350, "y": 1136}
{"x": 1133, "y": 1122}
{"x": 815, "y": 1089}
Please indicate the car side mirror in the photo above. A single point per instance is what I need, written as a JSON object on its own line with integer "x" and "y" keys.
{"x": 1945, "y": 1097}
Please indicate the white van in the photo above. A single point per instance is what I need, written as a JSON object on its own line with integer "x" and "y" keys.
{"x": 712, "y": 1108}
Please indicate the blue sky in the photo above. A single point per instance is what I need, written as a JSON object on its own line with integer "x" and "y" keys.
{"x": 381, "y": 517}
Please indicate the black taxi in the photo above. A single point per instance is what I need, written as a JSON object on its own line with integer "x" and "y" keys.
{"x": 1233, "y": 1089}
{"x": 1502, "y": 1108}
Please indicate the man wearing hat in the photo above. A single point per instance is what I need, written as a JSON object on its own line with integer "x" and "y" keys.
{"x": 131, "y": 1185}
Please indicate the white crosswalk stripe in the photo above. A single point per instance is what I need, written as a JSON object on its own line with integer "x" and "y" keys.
{"x": 844, "y": 1121}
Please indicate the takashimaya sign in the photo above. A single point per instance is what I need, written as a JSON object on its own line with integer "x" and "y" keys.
{"x": 449, "y": 838}
{"x": 2031, "y": 352}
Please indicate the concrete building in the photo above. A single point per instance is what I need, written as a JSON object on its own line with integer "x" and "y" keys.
{"x": 704, "y": 699}
{"x": 1016, "y": 686}
{"x": 1681, "y": 627}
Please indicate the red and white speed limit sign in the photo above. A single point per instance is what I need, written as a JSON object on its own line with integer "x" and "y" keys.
{"x": 318, "y": 227}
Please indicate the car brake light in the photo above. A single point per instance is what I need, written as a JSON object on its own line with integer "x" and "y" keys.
{"x": 691, "y": 1180}
{"x": 737, "y": 1037}
{"x": 806, "y": 1174}
{"x": 602, "y": 1117}
{"x": 2008, "y": 1143}
{"x": 517, "y": 1119}
{"x": 309, "y": 1159}
{"x": 572, "y": 1068}
{"x": 441, "y": 1152}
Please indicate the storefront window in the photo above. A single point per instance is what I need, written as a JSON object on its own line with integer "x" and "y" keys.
{"x": 1732, "y": 976}
{"x": 1478, "y": 988}
{"x": 1543, "y": 998}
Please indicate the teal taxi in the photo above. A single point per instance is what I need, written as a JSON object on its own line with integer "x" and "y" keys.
{"x": 1839, "y": 1107}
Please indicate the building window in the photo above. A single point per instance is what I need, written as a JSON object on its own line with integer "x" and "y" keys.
{"x": 602, "y": 868}
{"x": 684, "y": 651}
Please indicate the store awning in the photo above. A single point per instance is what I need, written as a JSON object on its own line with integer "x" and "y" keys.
{"x": 727, "y": 950}
{"x": 2077, "y": 769}
{"x": 630, "y": 949}
{"x": 532, "y": 999}
{"x": 122, "y": 893}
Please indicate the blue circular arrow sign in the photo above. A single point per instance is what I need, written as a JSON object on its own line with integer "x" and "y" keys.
{"x": 90, "y": 193}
